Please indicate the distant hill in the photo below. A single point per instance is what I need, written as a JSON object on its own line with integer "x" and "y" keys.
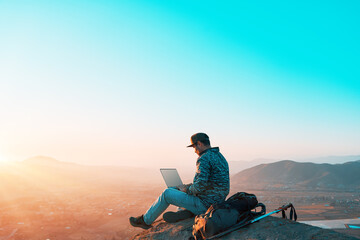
{"x": 41, "y": 160}
{"x": 237, "y": 166}
{"x": 330, "y": 159}
{"x": 45, "y": 173}
{"x": 294, "y": 175}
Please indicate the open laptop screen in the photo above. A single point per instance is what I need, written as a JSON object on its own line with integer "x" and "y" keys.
{"x": 171, "y": 177}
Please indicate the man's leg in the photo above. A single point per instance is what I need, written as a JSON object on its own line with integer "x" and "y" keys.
{"x": 174, "y": 197}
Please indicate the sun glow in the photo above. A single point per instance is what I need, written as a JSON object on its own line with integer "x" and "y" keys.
{"x": 3, "y": 159}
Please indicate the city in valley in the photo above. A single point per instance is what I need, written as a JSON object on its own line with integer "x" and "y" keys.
{"x": 75, "y": 202}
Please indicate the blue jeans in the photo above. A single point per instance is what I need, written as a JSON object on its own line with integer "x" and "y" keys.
{"x": 177, "y": 198}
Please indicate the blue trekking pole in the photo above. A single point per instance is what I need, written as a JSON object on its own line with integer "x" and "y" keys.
{"x": 282, "y": 209}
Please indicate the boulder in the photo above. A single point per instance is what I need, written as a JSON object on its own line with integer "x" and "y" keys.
{"x": 272, "y": 228}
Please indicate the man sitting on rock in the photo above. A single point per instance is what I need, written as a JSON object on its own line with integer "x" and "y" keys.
{"x": 210, "y": 185}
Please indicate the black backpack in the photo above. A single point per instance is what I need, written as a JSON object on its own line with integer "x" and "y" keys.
{"x": 222, "y": 216}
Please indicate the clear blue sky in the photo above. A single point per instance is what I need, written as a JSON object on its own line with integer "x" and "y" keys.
{"x": 129, "y": 81}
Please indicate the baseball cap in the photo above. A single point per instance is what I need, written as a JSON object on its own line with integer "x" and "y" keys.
{"x": 198, "y": 137}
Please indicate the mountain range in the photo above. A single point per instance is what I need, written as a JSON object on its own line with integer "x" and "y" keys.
{"x": 237, "y": 166}
{"x": 289, "y": 174}
{"x": 44, "y": 172}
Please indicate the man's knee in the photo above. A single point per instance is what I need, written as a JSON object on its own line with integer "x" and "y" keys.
{"x": 168, "y": 194}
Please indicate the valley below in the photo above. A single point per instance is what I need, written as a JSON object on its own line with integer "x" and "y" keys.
{"x": 103, "y": 214}
{"x": 56, "y": 201}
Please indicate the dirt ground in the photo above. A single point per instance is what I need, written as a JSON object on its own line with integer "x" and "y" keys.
{"x": 267, "y": 228}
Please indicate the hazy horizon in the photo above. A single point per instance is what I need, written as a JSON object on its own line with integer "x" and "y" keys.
{"x": 121, "y": 83}
{"x": 186, "y": 164}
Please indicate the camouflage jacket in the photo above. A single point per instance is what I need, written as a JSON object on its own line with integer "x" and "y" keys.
{"x": 211, "y": 182}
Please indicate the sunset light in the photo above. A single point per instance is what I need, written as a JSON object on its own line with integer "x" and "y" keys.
{"x": 97, "y": 96}
{"x": 3, "y": 159}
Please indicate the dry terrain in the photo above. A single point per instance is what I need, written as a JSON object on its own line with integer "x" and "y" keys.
{"x": 50, "y": 200}
{"x": 103, "y": 213}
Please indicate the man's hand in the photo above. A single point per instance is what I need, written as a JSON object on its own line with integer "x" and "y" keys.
{"x": 184, "y": 187}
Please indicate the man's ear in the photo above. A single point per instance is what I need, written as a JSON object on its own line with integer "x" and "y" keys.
{"x": 200, "y": 144}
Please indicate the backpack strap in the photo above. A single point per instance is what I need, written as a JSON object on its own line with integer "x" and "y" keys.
{"x": 292, "y": 212}
{"x": 263, "y": 209}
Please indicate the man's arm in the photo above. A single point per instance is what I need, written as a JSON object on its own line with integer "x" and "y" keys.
{"x": 202, "y": 175}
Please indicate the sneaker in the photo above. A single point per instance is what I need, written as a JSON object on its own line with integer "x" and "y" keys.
{"x": 173, "y": 217}
{"x": 139, "y": 222}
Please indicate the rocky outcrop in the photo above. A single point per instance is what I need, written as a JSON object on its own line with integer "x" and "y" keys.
{"x": 268, "y": 228}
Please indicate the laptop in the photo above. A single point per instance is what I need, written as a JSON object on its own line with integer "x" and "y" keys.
{"x": 171, "y": 177}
